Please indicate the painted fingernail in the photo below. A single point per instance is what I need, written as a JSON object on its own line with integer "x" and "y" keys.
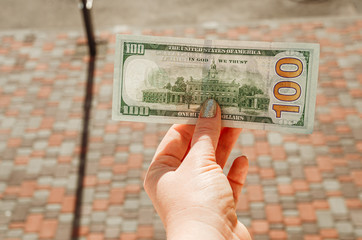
{"x": 208, "y": 108}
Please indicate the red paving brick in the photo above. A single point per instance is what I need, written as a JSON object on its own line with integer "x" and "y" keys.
{"x": 48, "y": 228}
{"x": 56, "y": 195}
{"x": 353, "y": 203}
{"x": 135, "y": 161}
{"x": 278, "y": 234}
{"x": 260, "y": 226}
{"x": 95, "y": 236}
{"x": 320, "y": 204}
{"x": 117, "y": 196}
{"x": 285, "y": 189}
{"x": 255, "y": 193}
{"x": 307, "y": 212}
{"x": 145, "y": 232}
{"x": 267, "y": 173}
{"x": 128, "y": 236}
{"x": 243, "y": 204}
{"x": 90, "y": 181}
{"x": 33, "y": 222}
{"x": 300, "y": 185}
{"x": 68, "y": 204}
{"x": 312, "y": 237}
{"x": 292, "y": 221}
{"x": 312, "y": 174}
{"x": 274, "y": 213}
{"x": 357, "y": 177}
{"x": 329, "y": 233}
{"x": 27, "y": 188}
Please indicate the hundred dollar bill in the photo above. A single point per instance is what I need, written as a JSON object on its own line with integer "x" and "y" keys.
{"x": 258, "y": 85}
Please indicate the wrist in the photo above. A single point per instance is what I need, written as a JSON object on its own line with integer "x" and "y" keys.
{"x": 194, "y": 230}
{"x": 200, "y": 224}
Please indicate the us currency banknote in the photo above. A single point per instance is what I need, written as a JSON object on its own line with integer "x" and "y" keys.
{"x": 258, "y": 85}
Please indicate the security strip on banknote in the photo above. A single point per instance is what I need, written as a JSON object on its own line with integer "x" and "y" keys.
{"x": 258, "y": 85}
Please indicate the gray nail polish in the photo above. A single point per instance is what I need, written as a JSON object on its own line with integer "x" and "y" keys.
{"x": 208, "y": 108}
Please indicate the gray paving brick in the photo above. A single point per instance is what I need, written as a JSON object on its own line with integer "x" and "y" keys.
{"x": 307, "y": 154}
{"x": 317, "y": 191}
{"x": 294, "y": 230}
{"x": 14, "y": 233}
{"x": 16, "y": 177}
{"x": 271, "y": 195}
{"x": 34, "y": 166}
{"x": 344, "y": 228}
{"x": 257, "y": 210}
{"x": 325, "y": 219}
{"x": 265, "y": 161}
{"x": 63, "y": 230}
{"x": 85, "y": 220}
{"x": 281, "y": 168}
{"x": 288, "y": 202}
{"x": 136, "y": 147}
{"x": 102, "y": 194}
{"x": 129, "y": 226}
{"x": 2, "y": 187}
{"x": 275, "y": 138}
{"x": 30, "y": 236}
{"x": 276, "y": 226}
{"x": 67, "y": 148}
{"x": 356, "y": 217}
{"x": 310, "y": 228}
{"x": 20, "y": 212}
{"x": 358, "y": 232}
{"x": 145, "y": 216}
{"x": 253, "y": 179}
{"x": 283, "y": 179}
{"x": 112, "y": 232}
{"x": 303, "y": 197}
{"x": 115, "y": 210}
{"x": 297, "y": 172}
{"x": 97, "y": 227}
{"x": 114, "y": 221}
{"x": 349, "y": 190}
{"x": 341, "y": 171}
{"x": 88, "y": 194}
{"x": 331, "y": 185}
{"x": 145, "y": 200}
{"x": 40, "y": 197}
{"x": 5, "y": 169}
{"x": 338, "y": 206}
{"x": 98, "y": 217}
{"x": 294, "y": 160}
{"x": 87, "y": 209}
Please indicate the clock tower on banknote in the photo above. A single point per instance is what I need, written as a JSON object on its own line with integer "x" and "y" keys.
{"x": 212, "y": 74}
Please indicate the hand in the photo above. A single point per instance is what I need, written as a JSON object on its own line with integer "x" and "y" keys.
{"x": 186, "y": 184}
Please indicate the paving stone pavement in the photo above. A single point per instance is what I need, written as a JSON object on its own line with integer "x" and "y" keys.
{"x": 306, "y": 187}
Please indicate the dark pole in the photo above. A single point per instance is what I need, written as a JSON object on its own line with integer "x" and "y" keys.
{"x": 85, "y": 6}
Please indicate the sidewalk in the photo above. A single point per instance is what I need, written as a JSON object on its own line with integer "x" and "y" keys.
{"x": 299, "y": 186}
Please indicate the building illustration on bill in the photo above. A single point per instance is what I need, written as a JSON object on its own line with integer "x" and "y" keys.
{"x": 228, "y": 94}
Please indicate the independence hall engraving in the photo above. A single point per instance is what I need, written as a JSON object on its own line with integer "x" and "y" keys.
{"x": 197, "y": 91}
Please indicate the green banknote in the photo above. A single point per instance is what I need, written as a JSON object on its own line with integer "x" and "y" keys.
{"x": 258, "y": 85}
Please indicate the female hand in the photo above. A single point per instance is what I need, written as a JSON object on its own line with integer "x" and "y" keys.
{"x": 186, "y": 184}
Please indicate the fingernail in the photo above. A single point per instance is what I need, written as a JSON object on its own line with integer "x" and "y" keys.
{"x": 208, "y": 108}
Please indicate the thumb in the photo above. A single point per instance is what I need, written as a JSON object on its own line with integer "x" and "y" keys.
{"x": 207, "y": 130}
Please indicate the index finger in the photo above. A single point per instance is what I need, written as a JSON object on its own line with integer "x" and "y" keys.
{"x": 174, "y": 144}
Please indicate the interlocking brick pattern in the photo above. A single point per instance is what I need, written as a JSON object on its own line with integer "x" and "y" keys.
{"x": 304, "y": 187}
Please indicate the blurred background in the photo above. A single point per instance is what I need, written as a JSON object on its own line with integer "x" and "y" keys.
{"x": 306, "y": 187}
